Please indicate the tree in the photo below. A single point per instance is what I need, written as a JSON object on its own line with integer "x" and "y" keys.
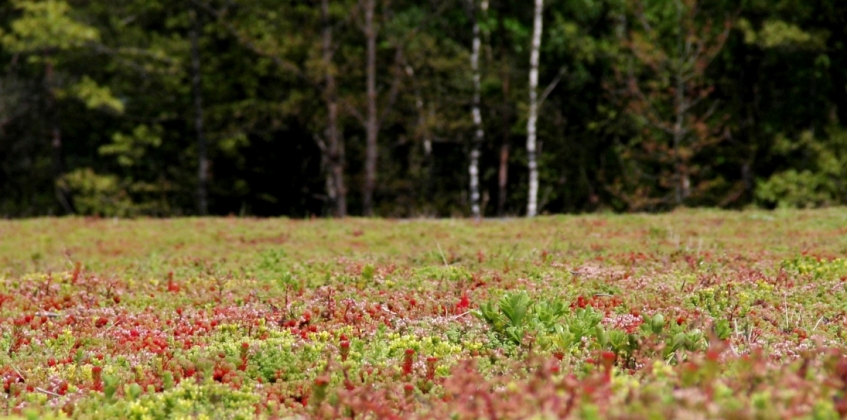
{"x": 47, "y": 32}
{"x": 13, "y": 92}
{"x": 373, "y": 118}
{"x": 264, "y": 34}
{"x": 476, "y": 113}
{"x": 667, "y": 91}
{"x": 404, "y": 108}
{"x": 372, "y": 122}
{"x": 197, "y": 90}
{"x": 532, "y": 119}
{"x": 791, "y": 52}
{"x": 334, "y": 150}
{"x": 437, "y": 90}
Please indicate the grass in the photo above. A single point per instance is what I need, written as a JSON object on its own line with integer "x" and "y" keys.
{"x": 690, "y": 314}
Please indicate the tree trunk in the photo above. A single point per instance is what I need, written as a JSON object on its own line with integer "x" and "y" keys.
{"x": 197, "y": 89}
{"x": 532, "y": 201}
{"x": 372, "y": 122}
{"x": 506, "y": 107}
{"x": 479, "y": 134}
{"x": 63, "y": 195}
{"x": 682, "y": 182}
{"x": 503, "y": 177}
{"x": 335, "y": 149}
{"x": 423, "y": 132}
{"x": 503, "y": 169}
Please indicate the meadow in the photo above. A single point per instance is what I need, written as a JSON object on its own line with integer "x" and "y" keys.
{"x": 692, "y": 314}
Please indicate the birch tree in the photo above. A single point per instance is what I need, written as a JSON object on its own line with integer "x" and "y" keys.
{"x": 476, "y": 113}
{"x": 532, "y": 120}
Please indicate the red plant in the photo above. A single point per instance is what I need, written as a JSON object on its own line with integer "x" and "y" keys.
{"x": 75, "y": 274}
{"x": 463, "y": 305}
{"x": 408, "y": 359}
{"x": 345, "y": 350}
{"x": 430, "y": 367}
{"x": 173, "y": 287}
{"x": 97, "y": 382}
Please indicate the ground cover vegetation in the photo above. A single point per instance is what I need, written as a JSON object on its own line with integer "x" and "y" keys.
{"x": 693, "y": 314}
{"x": 408, "y": 108}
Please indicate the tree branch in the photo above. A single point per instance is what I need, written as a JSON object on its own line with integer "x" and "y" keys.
{"x": 395, "y": 86}
{"x": 249, "y": 44}
{"x": 552, "y": 85}
{"x": 353, "y": 111}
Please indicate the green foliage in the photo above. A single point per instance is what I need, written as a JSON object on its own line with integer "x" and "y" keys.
{"x": 551, "y": 322}
{"x": 130, "y": 149}
{"x": 133, "y": 320}
{"x": 514, "y": 307}
{"x": 272, "y": 266}
{"x": 45, "y": 25}
{"x": 780, "y": 34}
{"x": 368, "y": 272}
{"x": 759, "y": 120}
{"x": 208, "y": 400}
{"x": 817, "y": 268}
{"x": 508, "y": 315}
{"x": 98, "y": 194}
{"x": 558, "y": 328}
{"x": 584, "y": 323}
{"x": 95, "y": 96}
{"x": 820, "y": 180}
{"x": 792, "y": 189}
{"x": 722, "y": 329}
{"x": 547, "y": 314}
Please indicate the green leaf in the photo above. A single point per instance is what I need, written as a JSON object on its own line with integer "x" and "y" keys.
{"x": 515, "y": 307}
{"x": 722, "y": 329}
{"x": 618, "y": 341}
{"x": 657, "y": 323}
{"x": 679, "y": 340}
{"x": 46, "y": 25}
{"x": 515, "y": 334}
{"x": 95, "y": 96}
{"x": 368, "y": 272}
{"x": 601, "y": 335}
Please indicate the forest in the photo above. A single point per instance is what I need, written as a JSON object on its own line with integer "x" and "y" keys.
{"x": 425, "y": 108}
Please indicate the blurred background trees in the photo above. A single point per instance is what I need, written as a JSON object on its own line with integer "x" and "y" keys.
{"x": 419, "y": 108}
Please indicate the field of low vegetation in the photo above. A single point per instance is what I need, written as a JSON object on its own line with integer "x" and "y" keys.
{"x": 693, "y": 314}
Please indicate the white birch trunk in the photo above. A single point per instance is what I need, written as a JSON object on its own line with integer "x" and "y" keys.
{"x": 479, "y": 135}
{"x": 535, "y": 51}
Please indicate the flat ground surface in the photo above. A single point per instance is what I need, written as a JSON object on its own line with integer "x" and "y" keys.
{"x": 695, "y": 314}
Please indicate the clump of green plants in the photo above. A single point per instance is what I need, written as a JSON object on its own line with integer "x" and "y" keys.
{"x": 568, "y": 329}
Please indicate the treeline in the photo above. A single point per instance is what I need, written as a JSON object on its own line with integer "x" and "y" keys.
{"x": 419, "y": 108}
